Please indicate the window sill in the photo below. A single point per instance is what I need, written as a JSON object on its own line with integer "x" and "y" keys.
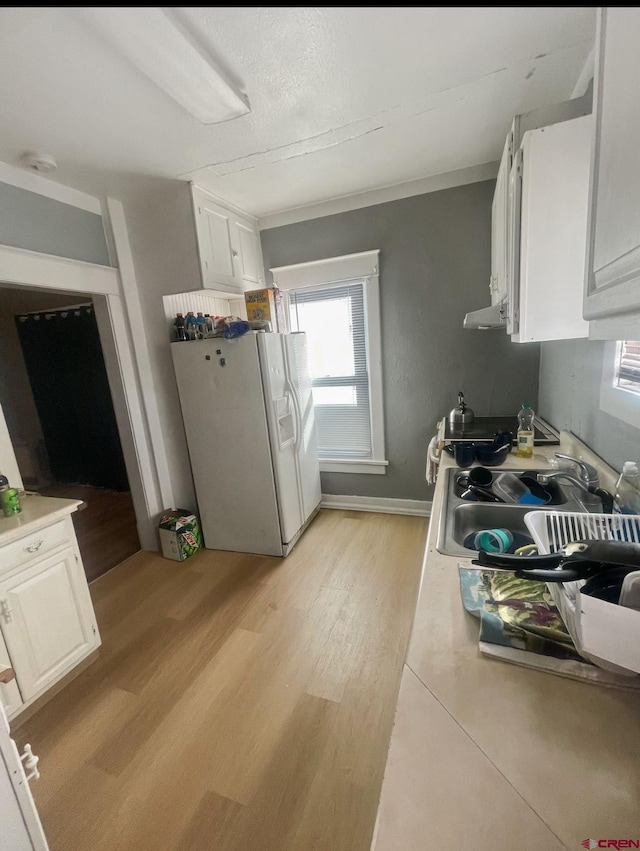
{"x": 331, "y": 465}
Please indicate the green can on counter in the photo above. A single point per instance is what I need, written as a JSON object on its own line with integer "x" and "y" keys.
{"x": 10, "y": 501}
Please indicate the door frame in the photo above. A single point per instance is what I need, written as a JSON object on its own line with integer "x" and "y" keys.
{"x": 115, "y": 297}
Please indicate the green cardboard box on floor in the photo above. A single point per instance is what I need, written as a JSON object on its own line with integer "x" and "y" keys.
{"x": 180, "y": 535}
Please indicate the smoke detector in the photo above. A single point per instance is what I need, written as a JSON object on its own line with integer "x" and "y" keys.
{"x": 40, "y": 162}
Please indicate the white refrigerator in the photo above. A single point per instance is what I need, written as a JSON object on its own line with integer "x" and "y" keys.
{"x": 247, "y": 408}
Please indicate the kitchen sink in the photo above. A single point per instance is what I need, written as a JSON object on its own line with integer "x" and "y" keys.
{"x": 558, "y": 497}
{"x": 471, "y": 517}
{"x": 461, "y": 519}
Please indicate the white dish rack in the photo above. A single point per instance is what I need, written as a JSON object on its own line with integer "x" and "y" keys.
{"x": 606, "y": 634}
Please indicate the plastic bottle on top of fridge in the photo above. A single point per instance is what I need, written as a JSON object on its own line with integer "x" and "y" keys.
{"x": 180, "y": 330}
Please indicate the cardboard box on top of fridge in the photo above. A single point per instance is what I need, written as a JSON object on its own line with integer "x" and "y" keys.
{"x": 180, "y": 535}
{"x": 266, "y": 304}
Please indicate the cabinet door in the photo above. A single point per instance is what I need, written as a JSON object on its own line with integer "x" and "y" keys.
{"x": 553, "y": 228}
{"x": 247, "y": 254}
{"x": 499, "y": 220}
{"x": 613, "y": 270}
{"x": 513, "y": 246}
{"x": 21, "y": 828}
{"x": 10, "y": 696}
{"x": 47, "y": 620}
{"x": 213, "y": 227}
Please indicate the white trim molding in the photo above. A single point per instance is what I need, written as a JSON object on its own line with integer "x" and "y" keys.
{"x": 23, "y": 268}
{"x": 23, "y": 179}
{"x": 354, "y": 465}
{"x": 219, "y": 200}
{"x": 333, "y": 270}
{"x": 380, "y": 195}
{"x": 33, "y": 269}
{"x": 377, "y": 504}
{"x": 615, "y": 401}
{"x": 115, "y": 220}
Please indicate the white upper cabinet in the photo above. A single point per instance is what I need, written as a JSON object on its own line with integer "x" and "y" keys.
{"x": 553, "y": 167}
{"x": 249, "y": 259}
{"x": 612, "y": 282}
{"x": 213, "y": 227}
{"x": 539, "y": 225}
{"x": 539, "y": 256}
{"x": 228, "y": 245}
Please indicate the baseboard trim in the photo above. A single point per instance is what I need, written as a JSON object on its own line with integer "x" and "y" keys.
{"x": 384, "y": 505}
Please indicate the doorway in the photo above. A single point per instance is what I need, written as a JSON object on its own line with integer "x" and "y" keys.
{"x": 55, "y": 394}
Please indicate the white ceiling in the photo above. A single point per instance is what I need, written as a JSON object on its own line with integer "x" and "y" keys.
{"x": 343, "y": 99}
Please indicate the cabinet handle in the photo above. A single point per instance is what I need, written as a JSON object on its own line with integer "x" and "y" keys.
{"x": 7, "y": 675}
{"x": 30, "y": 762}
{"x": 33, "y": 548}
{"x": 6, "y": 611}
{"x": 235, "y": 255}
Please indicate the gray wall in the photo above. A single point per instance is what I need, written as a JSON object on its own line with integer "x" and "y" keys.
{"x": 570, "y": 376}
{"x": 435, "y": 265}
{"x": 37, "y": 223}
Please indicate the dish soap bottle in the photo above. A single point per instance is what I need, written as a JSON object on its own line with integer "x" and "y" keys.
{"x": 526, "y": 416}
{"x": 628, "y": 489}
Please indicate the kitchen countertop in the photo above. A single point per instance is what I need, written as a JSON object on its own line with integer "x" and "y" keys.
{"x": 492, "y": 756}
{"x": 37, "y": 511}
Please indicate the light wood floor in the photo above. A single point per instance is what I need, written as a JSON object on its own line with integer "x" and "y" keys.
{"x": 240, "y": 703}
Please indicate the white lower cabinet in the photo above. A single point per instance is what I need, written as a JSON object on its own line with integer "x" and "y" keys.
{"x": 47, "y": 622}
{"x": 10, "y": 696}
{"x": 47, "y": 626}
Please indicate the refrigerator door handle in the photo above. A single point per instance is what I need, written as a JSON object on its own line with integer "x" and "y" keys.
{"x": 296, "y": 414}
{"x": 296, "y": 442}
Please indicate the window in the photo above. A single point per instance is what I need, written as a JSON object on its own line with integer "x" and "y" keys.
{"x": 333, "y": 318}
{"x": 620, "y": 387}
{"x": 336, "y": 303}
{"x": 628, "y": 366}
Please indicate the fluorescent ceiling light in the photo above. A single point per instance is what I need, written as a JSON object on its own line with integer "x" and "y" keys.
{"x": 157, "y": 43}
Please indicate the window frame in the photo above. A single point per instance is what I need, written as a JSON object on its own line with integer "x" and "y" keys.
{"x": 635, "y": 380}
{"x": 350, "y": 268}
{"x": 614, "y": 400}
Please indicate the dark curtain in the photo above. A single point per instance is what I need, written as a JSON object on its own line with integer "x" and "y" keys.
{"x": 66, "y": 369}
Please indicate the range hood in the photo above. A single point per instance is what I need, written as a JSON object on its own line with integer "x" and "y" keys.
{"x": 489, "y": 317}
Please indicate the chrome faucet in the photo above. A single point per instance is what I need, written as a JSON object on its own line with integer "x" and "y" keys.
{"x": 605, "y": 496}
{"x": 588, "y": 473}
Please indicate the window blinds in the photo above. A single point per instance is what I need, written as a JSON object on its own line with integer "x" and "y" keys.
{"x": 333, "y": 318}
{"x": 629, "y": 366}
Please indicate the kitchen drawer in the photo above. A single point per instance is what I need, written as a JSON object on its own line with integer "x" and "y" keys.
{"x": 34, "y": 545}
